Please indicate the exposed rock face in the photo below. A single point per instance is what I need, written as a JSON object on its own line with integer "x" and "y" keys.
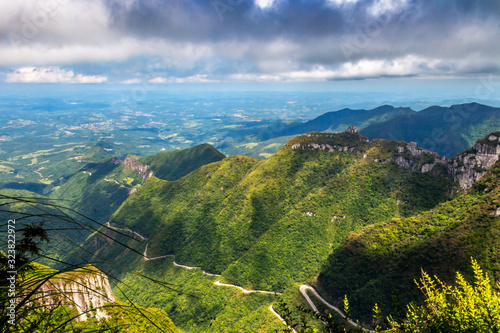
{"x": 464, "y": 168}
{"x": 324, "y": 147}
{"x": 472, "y": 164}
{"x": 352, "y": 130}
{"x": 86, "y": 290}
{"x": 115, "y": 160}
{"x": 327, "y": 147}
{"x": 132, "y": 163}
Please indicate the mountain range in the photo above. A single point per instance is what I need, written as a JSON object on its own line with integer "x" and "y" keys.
{"x": 268, "y": 224}
{"x": 348, "y": 213}
{"x": 445, "y": 130}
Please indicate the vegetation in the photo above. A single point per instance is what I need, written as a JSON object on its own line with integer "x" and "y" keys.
{"x": 379, "y": 262}
{"x": 460, "y": 307}
{"x": 261, "y": 224}
{"x": 266, "y": 224}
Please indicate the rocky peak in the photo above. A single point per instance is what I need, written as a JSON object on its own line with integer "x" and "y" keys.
{"x": 464, "y": 168}
{"x": 352, "y": 130}
{"x": 115, "y": 160}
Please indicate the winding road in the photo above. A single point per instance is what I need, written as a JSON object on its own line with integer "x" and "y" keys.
{"x": 303, "y": 288}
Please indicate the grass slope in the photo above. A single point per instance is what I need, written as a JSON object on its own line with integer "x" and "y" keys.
{"x": 100, "y": 188}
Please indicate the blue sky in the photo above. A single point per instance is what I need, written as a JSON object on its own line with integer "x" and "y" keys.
{"x": 371, "y": 44}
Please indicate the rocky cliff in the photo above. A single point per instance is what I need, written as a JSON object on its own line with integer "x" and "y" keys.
{"x": 465, "y": 168}
{"x": 86, "y": 289}
{"x": 132, "y": 163}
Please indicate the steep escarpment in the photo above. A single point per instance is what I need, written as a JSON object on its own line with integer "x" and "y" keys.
{"x": 471, "y": 165}
{"x": 80, "y": 300}
{"x": 87, "y": 290}
{"x": 132, "y": 163}
{"x": 465, "y": 168}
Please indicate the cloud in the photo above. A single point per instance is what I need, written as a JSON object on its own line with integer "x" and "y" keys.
{"x": 251, "y": 39}
{"x": 381, "y": 7}
{"x": 264, "y": 4}
{"x": 51, "y": 75}
{"x": 199, "y": 78}
{"x": 158, "y": 80}
{"x": 132, "y": 81}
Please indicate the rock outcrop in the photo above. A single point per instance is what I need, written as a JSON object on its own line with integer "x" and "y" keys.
{"x": 352, "y": 142}
{"x": 86, "y": 289}
{"x": 352, "y": 130}
{"x": 132, "y": 163}
{"x": 465, "y": 168}
{"x": 473, "y": 163}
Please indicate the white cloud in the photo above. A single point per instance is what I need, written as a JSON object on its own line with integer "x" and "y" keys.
{"x": 132, "y": 81}
{"x": 61, "y": 33}
{"x": 51, "y": 75}
{"x": 199, "y": 78}
{"x": 158, "y": 80}
{"x": 343, "y": 2}
{"x": 363, "y": 69}
{"x": 381, "y": 7}
{"x": 264, "y": 3}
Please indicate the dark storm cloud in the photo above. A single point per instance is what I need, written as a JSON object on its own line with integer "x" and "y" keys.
{"x": 222, "y": 19}
{"x": 296, "y": 19}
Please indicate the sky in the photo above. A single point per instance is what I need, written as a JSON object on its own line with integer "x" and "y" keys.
{"x": 161, "y": 42}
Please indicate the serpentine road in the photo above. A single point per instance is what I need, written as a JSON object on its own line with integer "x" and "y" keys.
{"x": 303, "y": 288}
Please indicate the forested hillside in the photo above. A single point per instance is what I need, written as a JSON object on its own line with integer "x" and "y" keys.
{"x": 445, "y": 130}
{"x": 380, "y": 262}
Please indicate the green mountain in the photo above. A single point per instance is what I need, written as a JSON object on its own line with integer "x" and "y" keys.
{"x": 229, "y": 217}
{"x": 269, "y": 224}
{"x": 446, "y": 130}
{"x": 338, "y": 121}
{"x": 380, "y": 262}
{"x": 100, "y": 188}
